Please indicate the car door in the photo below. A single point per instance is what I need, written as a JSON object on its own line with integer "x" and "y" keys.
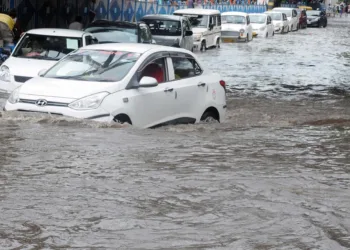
{"x": 212, "y": 27}
{"x": 191, "y": 87}
{"x": 285, "y": 22}
{"x": 152, "y": 106}
{"x": 295, "y": 19}
{"x": 269, "y": 26}
{"x": 249, "y": 28}
{"x": 188, "y": 39}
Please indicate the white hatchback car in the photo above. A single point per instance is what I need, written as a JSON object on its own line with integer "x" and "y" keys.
{"x": 140, "y": 84}
{"x": 38, "y": 49}
{"x": 236, "y": 26}
{"x": 262, "y": 25}
{"x": 292, "y": 16}
{"x": 280, "y": 21}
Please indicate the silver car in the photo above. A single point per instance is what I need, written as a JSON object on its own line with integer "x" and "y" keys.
{"x": 170, "y": 30}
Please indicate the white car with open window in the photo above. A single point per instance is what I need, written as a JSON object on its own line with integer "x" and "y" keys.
{"x": 140, "y": 84}
{"x": 292, "y": 16}
{"x": 280, "y": 21}
{"x": 206, "y": 26}
{"x": 38, "y": 49}
{"x": 262, "y": 25}
{"x": 236, "y": 26}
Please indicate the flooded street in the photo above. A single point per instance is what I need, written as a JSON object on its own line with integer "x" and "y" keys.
{"x": 274, "y": 175}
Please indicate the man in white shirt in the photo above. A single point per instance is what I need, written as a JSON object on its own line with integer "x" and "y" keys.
{"x": 77, "y": 24}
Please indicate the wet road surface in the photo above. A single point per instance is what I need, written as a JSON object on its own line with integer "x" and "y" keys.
{"x": 275, "y": 175}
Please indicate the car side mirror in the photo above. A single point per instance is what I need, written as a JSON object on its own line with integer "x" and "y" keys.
{"x": 147, "y": 82}
{"x": 189, "y": 33}
{"x": 42, "y": 72}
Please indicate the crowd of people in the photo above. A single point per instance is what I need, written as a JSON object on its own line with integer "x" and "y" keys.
{"x": 338, "y": 9}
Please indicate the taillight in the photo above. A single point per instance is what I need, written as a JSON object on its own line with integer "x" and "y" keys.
{"x": 223, "y": 84}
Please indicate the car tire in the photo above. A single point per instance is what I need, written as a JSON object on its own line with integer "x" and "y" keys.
{"x": 273, "y": 33}
{"x": 325, "y": 25}
{"x": 203, "y": 46}
{"x": 267, "y": 34}
{"x": 209, "y": 117}
{"x": 218, "y": 43}
{"x": 318, "y": 24}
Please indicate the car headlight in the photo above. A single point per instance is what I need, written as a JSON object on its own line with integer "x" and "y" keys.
{"x": 14, "y": 97}
{"x": 262, "y": 28}
{"x": 89, "y": 102}
{"x": 197, "y": 37}
{"x": 241, "y": 31}
{"x": 278, "y": 24}
{"x": 5, "y": 73}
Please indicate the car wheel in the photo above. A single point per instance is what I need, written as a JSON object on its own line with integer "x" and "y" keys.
{"x": 192, "y": 49}
{"x": 325, "y": 25}
{"x": 209, "y": 117}
{"x": 273, "y": 33}
{"x": 318, "y": 24}
{"x": 203, "y": 46}
{"x": 267, "y": 34}
{"x": 218, "y": 43}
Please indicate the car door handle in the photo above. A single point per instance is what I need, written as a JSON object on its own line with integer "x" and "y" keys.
{"x": 201, "y": 84}
{"x": 169, "y": 90}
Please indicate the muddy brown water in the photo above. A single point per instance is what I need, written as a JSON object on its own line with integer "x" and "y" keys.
{"x": 274, "y": 175}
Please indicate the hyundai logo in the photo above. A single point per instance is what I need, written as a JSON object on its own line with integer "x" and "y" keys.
{"x": 41, "y": 103}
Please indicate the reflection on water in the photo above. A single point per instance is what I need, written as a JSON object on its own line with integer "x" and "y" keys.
{"x": 275, "y": 175}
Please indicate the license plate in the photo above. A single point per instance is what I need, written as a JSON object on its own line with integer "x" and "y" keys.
{"x": 228, "y": 40}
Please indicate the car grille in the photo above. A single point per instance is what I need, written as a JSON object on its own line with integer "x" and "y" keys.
{"x": 229, "y": 33}
{"x": 22, "y": 78}
{"x": 56, "y": 104}
{"x": 29, "y": 111}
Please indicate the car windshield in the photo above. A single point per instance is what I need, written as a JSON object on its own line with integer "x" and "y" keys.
{"x": 257, "y": 19}
{"x": 94, "y": 65}
{"x": 114, "y": 34}
{"x": 46, "y": 47}
{"x": 164, "y": 27}
{"x": 287, "y": 12}
{"x": 313, "y": 13}
{"x": 233, "y": 19}
{"x": 275, "y": 16}
{"x": 198, "y": 21}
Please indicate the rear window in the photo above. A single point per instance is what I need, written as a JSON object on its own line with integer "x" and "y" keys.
{"x": 164, "y": 27}
{"x": 46, "y": 47}
{"x": 114, "y": 34}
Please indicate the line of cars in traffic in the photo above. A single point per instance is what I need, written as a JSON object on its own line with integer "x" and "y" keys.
{"x": 140, "y": 73}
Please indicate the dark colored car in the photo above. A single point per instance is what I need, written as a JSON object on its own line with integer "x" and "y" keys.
{"x": 302, "y": 19}
{"x": 316, "y": 18}
{"x": 120, "y": 32}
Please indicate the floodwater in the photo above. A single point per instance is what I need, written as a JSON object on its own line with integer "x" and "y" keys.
{"x": 275, "y": 175}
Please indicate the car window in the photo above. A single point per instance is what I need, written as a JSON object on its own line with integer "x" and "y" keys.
{"x": 94, "y": 65}
{"x": 185, "y": 68}
{"x": 160, "y": 27}
{"x": 144, "y": 37}
{"x": 155, "y": 69}
{"x": 219, "y": 20}
{"x": 213, "y": 20}
{"x": 114, "y": 34}
{"x": 46, "y": 47}
{"x": 90, "y": 40}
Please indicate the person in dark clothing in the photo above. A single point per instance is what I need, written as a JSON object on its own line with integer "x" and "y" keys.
{"x": 17, "y": 30}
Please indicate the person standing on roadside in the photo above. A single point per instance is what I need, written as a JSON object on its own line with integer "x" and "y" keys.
{"x": 17, "y": 30}
{"x": 77, "y": 24}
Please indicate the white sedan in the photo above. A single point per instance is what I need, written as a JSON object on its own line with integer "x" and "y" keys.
{"x": 38, "y": 49}
{"x": 262, "y": 25}
{"x": 140, "y": 84}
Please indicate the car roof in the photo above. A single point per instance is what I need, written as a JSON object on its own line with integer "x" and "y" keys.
{"x": 162, "y": 17}
{"x": 257, "y": 14}
{"x": 134, "y": 47}
{"x": 237, "y": 13}
{"x": 106, "y": 23}
{"x": 57, "y": 32}
{"x": 197, "y": 11}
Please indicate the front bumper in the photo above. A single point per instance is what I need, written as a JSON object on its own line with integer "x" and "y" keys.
{"x": 98, "y": 114}
{"x": 312, "y": 22}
